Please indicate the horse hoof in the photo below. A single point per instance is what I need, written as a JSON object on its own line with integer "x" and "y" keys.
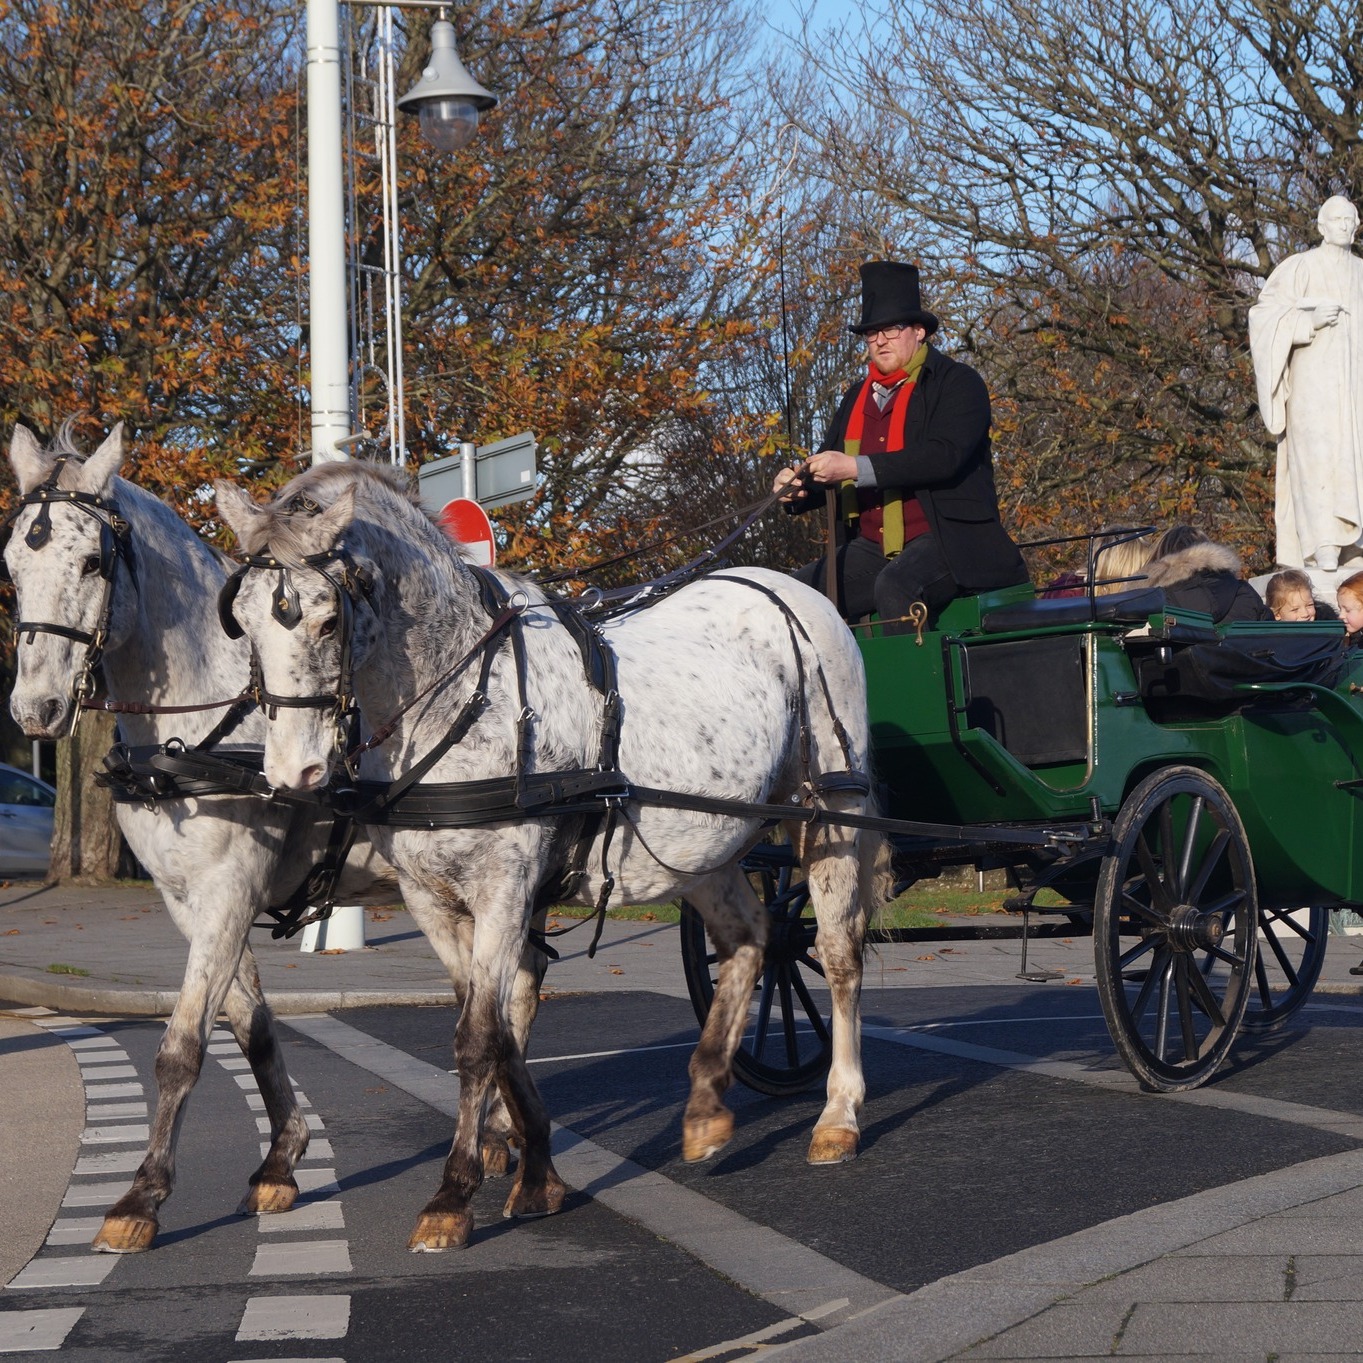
{"x": 496, "y": 1156}
{"x": 544, "y": 1200}
{"x": 702, "y": 1138}
{"x": 440, "y": 1230}
{"x": 832, "y": 1145}
{"x": 124, "y": 1235}
{"x": 265, "y": 1198}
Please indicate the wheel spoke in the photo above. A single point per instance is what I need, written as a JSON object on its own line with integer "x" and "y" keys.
{"x": 1280, "y": 955}
{"x": 1204, "y": 998}
{"x": 759, "y": 1039}
{"x": 1229, "y": 957}
{"x": 810, "y": 963}
{"x": 1162, "y": 1022}
{"x": 1185, "y": 1007}
{"x": 1160, "y": 902}
{"x": 1283, "y": 918}
{"x": 788, "y": 1020}
{"x": 1125, "y": 960}
{"x": 1185, "y": 860}
{"x": 1143, "y": 910}
{"x": 1168, "y": 856}
{"x": 1261, "y": 980}
{"x": 1210, "y": 861}
{"x": 811, "y": 1008}
{"x": 1152, "y": 978}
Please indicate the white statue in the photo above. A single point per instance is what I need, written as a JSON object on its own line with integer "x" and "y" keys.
{"x": 1306, "y": 338}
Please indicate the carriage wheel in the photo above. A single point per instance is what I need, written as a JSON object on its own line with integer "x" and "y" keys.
{"x": 1174, "y": 930}
{"x": 1291, "y": 952}
{"x": 787, "y": 1046}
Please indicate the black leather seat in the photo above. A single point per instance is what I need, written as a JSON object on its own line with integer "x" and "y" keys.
{"x": 1122, "y": 608}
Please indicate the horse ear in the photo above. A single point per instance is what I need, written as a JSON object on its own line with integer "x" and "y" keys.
{"x": 101, "y": 468}
{"x": 31, "y": 463}
{"x": 249, "y": 522}
{"x": 336, "y": 519}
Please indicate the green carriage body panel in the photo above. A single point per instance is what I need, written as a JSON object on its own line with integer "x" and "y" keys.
{"x": 1048, "y": 724}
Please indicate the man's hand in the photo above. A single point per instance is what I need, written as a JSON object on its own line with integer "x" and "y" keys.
{"x": 792, "y": 484}
{"x": 831, "y": 466}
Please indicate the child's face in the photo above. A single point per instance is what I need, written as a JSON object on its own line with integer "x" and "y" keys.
{"x": 1297, "y": 605}
{"x": 1351, "y": 611}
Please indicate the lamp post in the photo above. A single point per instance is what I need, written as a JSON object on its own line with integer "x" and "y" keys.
{"x": 448, "y": 100}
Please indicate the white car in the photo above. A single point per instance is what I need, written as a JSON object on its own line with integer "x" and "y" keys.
{"x": 26, "y": 805}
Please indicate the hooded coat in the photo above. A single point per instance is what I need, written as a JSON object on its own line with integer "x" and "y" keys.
{"x": 1206, "y": 578}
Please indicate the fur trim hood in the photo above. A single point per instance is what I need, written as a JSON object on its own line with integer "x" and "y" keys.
{"x": 1198, "y": 558}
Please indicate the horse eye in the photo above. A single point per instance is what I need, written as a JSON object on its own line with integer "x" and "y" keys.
{"x": 91, "y": 565}
{"x": 327, "y": 627}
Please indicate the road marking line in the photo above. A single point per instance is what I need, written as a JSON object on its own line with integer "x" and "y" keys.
{"x": 760, "y": 1260}
{"x": 22, "y": 1331}
{"x": 89, "y": 1270}
{"x": 91, "y": 1043}
{"x": 317, "y": 1149}
{"x": 304, "y": 1216}
{"x": 286, "y": 1360}
{"x": 313, "y": 1257}
{"x": 98, "y": 1092}
{"x": 109, "y": 1072}
{"x": 116, "y": 1135}
{"x": 310, "y": 1317}
{"x": 93, "y": 1194}
{"x": 110, "y": 1162}
{"x": 97, "y": 1061}
{"x": 74, "y": 1230}
{"x": 313, "y": 1120}
{"x": 316, "y": 1180}
{"x": 234, "y": 1062}
{"x": 112, "y": 1110}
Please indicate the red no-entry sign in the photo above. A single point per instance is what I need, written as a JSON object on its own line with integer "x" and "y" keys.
{"x": 467, "y": 522}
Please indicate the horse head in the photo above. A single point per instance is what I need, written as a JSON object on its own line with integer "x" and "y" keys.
{"x": 295, "y": 599}
{"x": 68, "y": 554}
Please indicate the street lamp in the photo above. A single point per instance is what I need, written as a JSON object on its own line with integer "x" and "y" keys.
{"x": 455, "y": 100}
{"x": 446, "y": 98}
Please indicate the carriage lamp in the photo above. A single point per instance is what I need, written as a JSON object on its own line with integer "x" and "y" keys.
{"x": 446, "y": 98}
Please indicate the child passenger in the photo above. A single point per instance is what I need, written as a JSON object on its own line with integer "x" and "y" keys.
{"x": 1350, "y": 595}
{"x": 1289, "y": 596}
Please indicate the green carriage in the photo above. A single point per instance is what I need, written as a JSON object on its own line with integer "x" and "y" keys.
{"x": 1190, "y": 792}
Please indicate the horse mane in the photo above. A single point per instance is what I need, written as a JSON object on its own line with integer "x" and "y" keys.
{"x": 383, "y": 495}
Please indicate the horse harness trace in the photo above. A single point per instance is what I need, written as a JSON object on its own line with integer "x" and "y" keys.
{"x": 115, "y": 543}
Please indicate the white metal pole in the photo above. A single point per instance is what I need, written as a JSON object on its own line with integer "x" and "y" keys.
{"x": 328, "y": 332}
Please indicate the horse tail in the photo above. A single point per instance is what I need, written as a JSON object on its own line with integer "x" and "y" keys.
{"x": 876, "y": 877}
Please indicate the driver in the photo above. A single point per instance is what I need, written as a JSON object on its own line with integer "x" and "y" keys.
{"x": 908, "y": 458}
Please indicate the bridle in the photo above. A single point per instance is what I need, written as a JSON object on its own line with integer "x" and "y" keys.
{"x": 115, "y": 543}
{"x": 349, "y": 585}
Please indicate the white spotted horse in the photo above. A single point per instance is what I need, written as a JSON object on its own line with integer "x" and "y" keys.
{"x": 113, "y": 588}
{"x": 520, "y": 754}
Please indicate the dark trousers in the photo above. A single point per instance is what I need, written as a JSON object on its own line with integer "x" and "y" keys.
{"x": 868, "y": 581}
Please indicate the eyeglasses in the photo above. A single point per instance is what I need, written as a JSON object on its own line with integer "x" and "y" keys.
{"x": 889, "y": 333}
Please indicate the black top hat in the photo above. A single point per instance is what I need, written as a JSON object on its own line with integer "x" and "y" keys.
{"x": 889, "y": 297}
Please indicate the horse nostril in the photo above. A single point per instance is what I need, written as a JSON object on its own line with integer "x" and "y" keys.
{"x": 312, "y": 776}
{"x": 50, "y": 711}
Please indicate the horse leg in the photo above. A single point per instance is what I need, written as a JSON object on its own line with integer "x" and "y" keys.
{"x": 450, "y": 933}
{"x": 841, "y": 867}
{"x": 273, "y": 1187}
{"x": 500, "y": 1125}
{"x": 130, "y": 1225}
{"x": 737, "y": 924}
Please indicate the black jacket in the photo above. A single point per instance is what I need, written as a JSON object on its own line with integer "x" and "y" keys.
{"x": 947, "y": 464}
{"x": 1206, "y": 578}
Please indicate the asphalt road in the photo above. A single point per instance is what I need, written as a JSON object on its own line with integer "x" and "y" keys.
{"x": 967, "y": 1156}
